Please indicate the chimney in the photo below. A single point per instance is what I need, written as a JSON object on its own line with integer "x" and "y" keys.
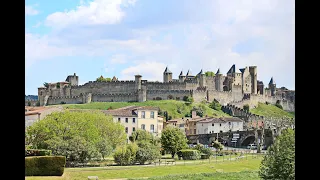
{"x": 194, "y": 114}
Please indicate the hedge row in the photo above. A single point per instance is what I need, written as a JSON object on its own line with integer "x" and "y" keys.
{"x": 37, "y": 152}
{"x": 45, "y": 165}
{"x": 190, "y": 154}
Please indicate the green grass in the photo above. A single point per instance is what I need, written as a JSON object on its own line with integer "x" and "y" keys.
{"x": 176, "y": 109}
{"x": 248, "y": 175}
{"x": 270, "y": 111}
{"x": 105, "y": 173}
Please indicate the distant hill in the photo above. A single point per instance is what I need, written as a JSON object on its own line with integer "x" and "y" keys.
{"x": 30, "y": 97}
{"x": 175, "y": 109}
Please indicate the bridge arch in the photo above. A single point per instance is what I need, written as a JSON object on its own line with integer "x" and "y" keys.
{"x": 249, "y": 139}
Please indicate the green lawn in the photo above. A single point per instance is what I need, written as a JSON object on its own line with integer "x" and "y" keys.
{"x": 249, "y": 164}
{"x": 270, "y": 110}
{"x": 176, "y": 109}
{"x": 248, "y": 175}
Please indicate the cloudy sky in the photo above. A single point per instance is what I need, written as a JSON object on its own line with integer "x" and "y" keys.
{"x": 126, "y": 37}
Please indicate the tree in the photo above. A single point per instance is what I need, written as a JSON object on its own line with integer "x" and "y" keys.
{"x": 126, "y": 155}
{"x": 104, "y": 147}
{"x": 279, "y": 162}
{"x": 217, "y": 145}
{"x": 102, "y": 79}
{"x": 173, "y": 140}
{"x": 77, "y": 135}
{"x": 45, "y": 84}
{"x": 141, "y": 135}
{"x": 147, "y": 152}
{"x": 215, "y": 105}
{"x": 210, "y": 74}
{"x": 246, "y": 107}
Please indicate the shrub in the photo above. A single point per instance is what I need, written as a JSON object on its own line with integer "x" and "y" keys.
{"x": 190, "y": 154}
{"x": 279, "y": 106}
{"x": 126, "y": 155}
{"x": 215, "y": 105}
{"x": 147, "y": 152}
{"x": 45, "y": 166}
{"x": 205, "y": 156}
{"x": 246, "y": 107}
{"x": 37, "y": 152}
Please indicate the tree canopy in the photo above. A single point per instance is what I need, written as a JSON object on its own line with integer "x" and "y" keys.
{"x": 210, "y": 73}
{"x": 173, "y": 140}
{"x": 279, "y": 162}
{"x": 102, "y": 79}
{"x": 76, "y": 135}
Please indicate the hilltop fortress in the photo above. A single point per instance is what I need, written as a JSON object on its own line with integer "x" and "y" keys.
{"x": 234, "y": 88}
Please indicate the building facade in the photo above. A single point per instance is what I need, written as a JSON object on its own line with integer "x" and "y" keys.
{"x": 218, "y": 125}
{"x": 135, "y": 117}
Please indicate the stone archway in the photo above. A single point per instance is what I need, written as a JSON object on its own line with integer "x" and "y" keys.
{"x": 247, "y": 140}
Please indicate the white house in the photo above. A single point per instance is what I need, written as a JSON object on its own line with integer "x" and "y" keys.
{"x": 34, "y": 114}
{"x": 135, "y": 117}
{"x": 218, "y": 125}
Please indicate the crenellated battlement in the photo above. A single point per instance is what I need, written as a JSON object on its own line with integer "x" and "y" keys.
{"x": 65, "y": 97}
{"x": 225, "y": 89}
{"x": 167, "y": 91}
{"x": 115, "y": 94}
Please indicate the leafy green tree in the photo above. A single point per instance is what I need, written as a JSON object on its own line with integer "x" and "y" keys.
{"x": 141, "y": 135}
{"x": 215, "y": 105}
{"x": 173, "y": 140}
{"x": 279, "y": 162}
{"x": 147, "y": 152}
{"x": 45, "y": 84}
{"x": 217, "y": 145}
{"x": 104, "y": 147}
{"x": 209, "y": 74}
{"x": 76, "y": 135}
{"x": 246, "y": 107}
{"x": 102, "y": 79}
{"x": 126, "y": 155}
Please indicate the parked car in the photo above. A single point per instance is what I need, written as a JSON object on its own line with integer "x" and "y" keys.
{"x": 252, "y": 146}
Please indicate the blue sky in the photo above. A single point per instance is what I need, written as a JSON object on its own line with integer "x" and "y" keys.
{"x": 126, "y": 37}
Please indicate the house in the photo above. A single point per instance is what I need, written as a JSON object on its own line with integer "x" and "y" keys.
{"x": 179, "y": 122}
{"x": 34, "y": 114}
{"x": 135, "y": 117}
{"x": 216, "y": 125}
{"x": 192, "y": 125}
{"x": 160, "y": 125}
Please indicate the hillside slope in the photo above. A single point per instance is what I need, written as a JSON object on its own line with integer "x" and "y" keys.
{"x": 270, "y": 111}
{"x": 175, "y": 109}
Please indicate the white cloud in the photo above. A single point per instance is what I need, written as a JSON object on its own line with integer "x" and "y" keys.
{"x": 118, "y": 59}
{"x": 29, "y": 10}
{"x": 182, "y": 46}
{"x": 95, "y": 12}
{"x": 152, "y": 70}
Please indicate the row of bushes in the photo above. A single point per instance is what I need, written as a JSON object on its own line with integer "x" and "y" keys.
{"x": 45, "y": 165}
{"x": 37, "y": 152}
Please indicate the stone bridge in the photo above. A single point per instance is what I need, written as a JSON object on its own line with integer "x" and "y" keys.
{"x": 245, "y": 138}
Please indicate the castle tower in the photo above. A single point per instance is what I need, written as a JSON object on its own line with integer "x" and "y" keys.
{"x": 137, "y": 81}
{"x": 202, "y": 78}
{"x": 232, "y": 71}
{"x": 254, "y": 80}
{"x": 272, "y": 87}
{"x": 219, "y": 81}
{"x": 73, "y": 80}
{"x": 167, "y": 75}
{"x": 181, "y": 77}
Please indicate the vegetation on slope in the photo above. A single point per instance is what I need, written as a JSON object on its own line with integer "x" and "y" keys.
{"x": 175, "y": 109}
{"x": 269, "y": 110}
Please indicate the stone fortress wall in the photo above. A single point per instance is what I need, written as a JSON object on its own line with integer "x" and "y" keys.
{"x": 235, "y": 88}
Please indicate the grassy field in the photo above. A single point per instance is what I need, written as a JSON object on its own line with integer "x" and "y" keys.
{"x": 248, "y": 175}
{"x": 270, "y": 110}
{"x": 176, "y": 109}
{"x": 104, "y": 173}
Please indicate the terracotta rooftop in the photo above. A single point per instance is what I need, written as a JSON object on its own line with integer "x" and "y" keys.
{"x": 34, "y": 110}
{"x": 128, "y": 111}
{"x": 220, "y": 120}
